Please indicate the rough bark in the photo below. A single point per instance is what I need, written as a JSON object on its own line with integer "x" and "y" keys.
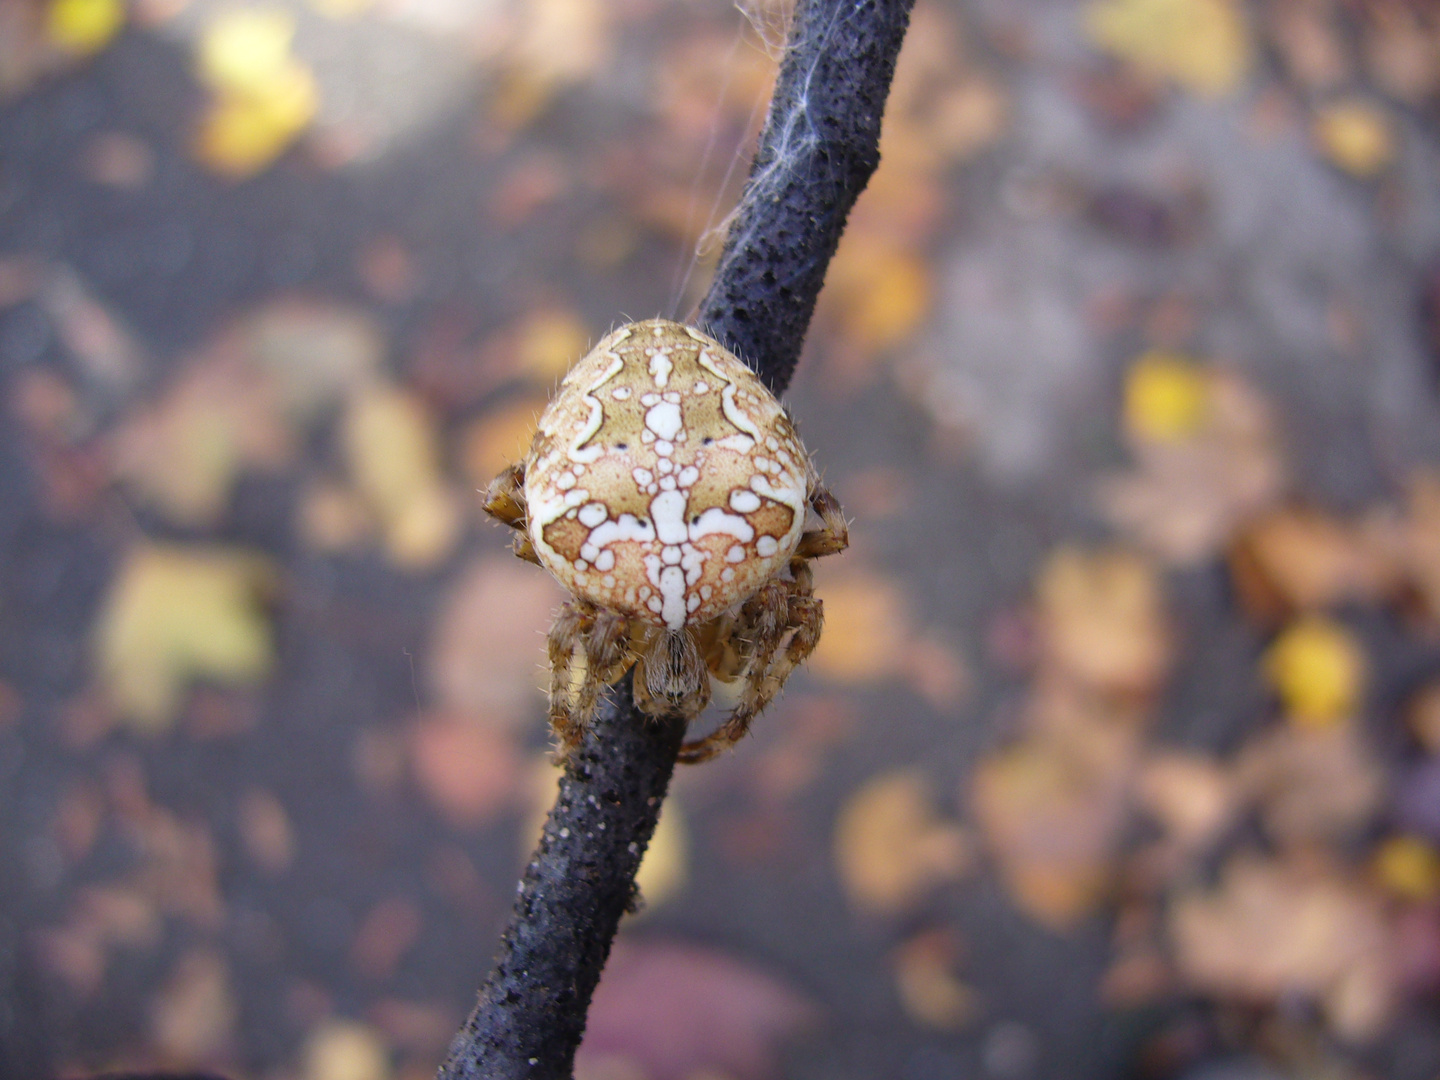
{"x": 818, "y": 149}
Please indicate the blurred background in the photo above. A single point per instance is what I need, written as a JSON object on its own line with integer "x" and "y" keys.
{"x": 1120, "y": 756}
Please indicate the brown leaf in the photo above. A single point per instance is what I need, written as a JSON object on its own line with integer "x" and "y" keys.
{"x": 672, "y": 1011}
{"x": 1052, "y": 820}
{"x": 1312, "y": 785}
{"x": 469, "y": 771}
{"x": 265, "y": 831}
{"x": 184, "y": 452}
{"x": 1275, "y": 929}
{"x": 1102, "y": 620}
{"x": 1301, "y": 559}
{"x": 1192, "y": 797}
{"x": 194, "y": 1016}
{"x": 892, "y": 848}
{"x": 867, "y": 628}
{"x": 492, "y": 668}
{"x": 925, "y": 978}
{"x": 386, "y": 934}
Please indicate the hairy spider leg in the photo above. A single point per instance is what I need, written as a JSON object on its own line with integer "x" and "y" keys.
{"x": 780, "y": 627}
{"x": 505, "y": 502}
{"x": 602, "y": 638}
{"x": 833, "y": 536}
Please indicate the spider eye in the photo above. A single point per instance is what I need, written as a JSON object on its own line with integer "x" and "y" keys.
{"x": 695, "y": 520}
{"x": 622, "y": 446}
{"x": 706, "y": 441}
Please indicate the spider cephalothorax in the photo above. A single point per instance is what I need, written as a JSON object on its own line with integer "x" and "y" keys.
{"x": 667, "y": 490}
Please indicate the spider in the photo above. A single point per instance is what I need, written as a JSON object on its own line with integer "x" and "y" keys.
{"x": 667, "y": 491}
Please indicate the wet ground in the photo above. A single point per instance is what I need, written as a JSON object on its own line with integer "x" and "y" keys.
{"x": 270, "y": 744}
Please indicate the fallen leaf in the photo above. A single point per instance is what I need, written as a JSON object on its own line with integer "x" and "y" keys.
{"x": 1053, "y": 822}
{"x": 1102, "y": 620}
{"x": 1318, "y": 669}
{"x": 388, "y": 931}
{"x": 497, "y": 440}
{"x": 184, "y": 453}
{"x": 470, "y": 772}
{"x": 1409, "y": 867}
{"x": 674, "y": 1011}
{"x": 1166, "y": 397}
{"x": 175, "y": 615}
{"x": 243, "y": 49}
{"x": 1356, "y": 135}
{"x": 1301, "y": 559}
{"x": 318, "y": 352}
{"x": 241, "y": 134}
{"x": 344, "y": 1050}
{"x": 263, "y": 99}
{"x": 925, "y": 977}
{"x": 1192, "y": 797}
{"x": 1422, "y": 714}
{"x": 1402, "y": 49}
{"x": 392, "y": 448}
{"x": 1415, "y": 538}
{"x": 1186, "y": 499}
{"x": 548, "y": 343}
{"x": 891, "y": 846}
{"x": 84, "y": 27}
{"x": 878, "y": 293}
{"x": 493, "y": 669}
{"x": 1274, "y": 929}
{"x": 333, "y": 518}
{"x": 194, "y": 1017}
{"x": 265, "y": 831}
{"x": 1204, "y": 45}
{"x": 867, "y": 625}
{"x": 1310, "y": 42}
{"x": 1312, "y": 785}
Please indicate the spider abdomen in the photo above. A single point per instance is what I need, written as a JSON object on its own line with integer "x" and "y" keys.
{"x": 665, "y": 481}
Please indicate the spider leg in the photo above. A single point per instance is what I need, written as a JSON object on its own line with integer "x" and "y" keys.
{"x": 833, "y": 534}
{"x": 599, "y": 641}
{"x": 606, "y": 642}
{"x": 782, "y": 623}
{"x": 505, "y": 502}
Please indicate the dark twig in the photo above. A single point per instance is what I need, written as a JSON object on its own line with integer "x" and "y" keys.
{"x": 816, "y": 154}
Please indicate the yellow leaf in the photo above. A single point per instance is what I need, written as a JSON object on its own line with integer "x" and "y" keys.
{"x": 549, "y": 343}
{"x": 179, "y": 614}
{"x": 84, "y": 26}
{"x": 345, "y": 1050}
{"x": 1409, "y": 867}
{"x": 880, "y": 293}
{"x": 1204, "y": 45}
{"x": 342, "y": 9}
{"x": 392, "y": 448}
{"x": 244, "y": 50}
{"x": 1355, "y": 135}
{"x": 245, "y": 131}
{"x": 1166, "y": 397}
{"x": 1318, "y": 669}
{"x": 867, "y": 629}
{"x": 498, "y": 439}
